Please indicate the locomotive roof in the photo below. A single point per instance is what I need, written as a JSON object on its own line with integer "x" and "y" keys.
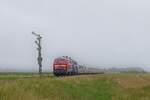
{"x": 67, "y": 58}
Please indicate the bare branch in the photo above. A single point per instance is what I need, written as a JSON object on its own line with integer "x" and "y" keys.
{"x": 36, "y": 34}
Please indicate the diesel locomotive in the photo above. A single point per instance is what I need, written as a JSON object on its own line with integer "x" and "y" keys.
{"x": 67, "y": 66}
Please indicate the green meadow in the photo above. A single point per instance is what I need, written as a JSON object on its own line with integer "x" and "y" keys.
{"x": 82, "y": 87}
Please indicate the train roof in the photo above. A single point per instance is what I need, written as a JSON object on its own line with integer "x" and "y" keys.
{"x": 67, "y": 58}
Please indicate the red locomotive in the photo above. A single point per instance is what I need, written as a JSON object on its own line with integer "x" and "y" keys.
{"x": 65, "y": 66}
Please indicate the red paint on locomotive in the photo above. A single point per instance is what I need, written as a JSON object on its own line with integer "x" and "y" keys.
{"x": 60, "y": 63}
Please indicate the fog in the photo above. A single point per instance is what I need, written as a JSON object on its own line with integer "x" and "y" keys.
{"x": 97, "y": 33}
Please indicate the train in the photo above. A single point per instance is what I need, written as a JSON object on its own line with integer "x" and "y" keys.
{"x": 67, "y": 66}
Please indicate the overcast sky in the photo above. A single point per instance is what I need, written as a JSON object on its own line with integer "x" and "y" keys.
{"x": 105, "y": 33}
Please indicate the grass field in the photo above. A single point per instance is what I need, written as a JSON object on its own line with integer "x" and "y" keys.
{"x": 84, "y": 87}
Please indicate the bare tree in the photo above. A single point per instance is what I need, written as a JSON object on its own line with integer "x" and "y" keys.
{"x": 38, "y": 43}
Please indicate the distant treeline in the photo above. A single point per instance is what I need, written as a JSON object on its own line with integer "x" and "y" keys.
{"x": 126, "y": 70}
